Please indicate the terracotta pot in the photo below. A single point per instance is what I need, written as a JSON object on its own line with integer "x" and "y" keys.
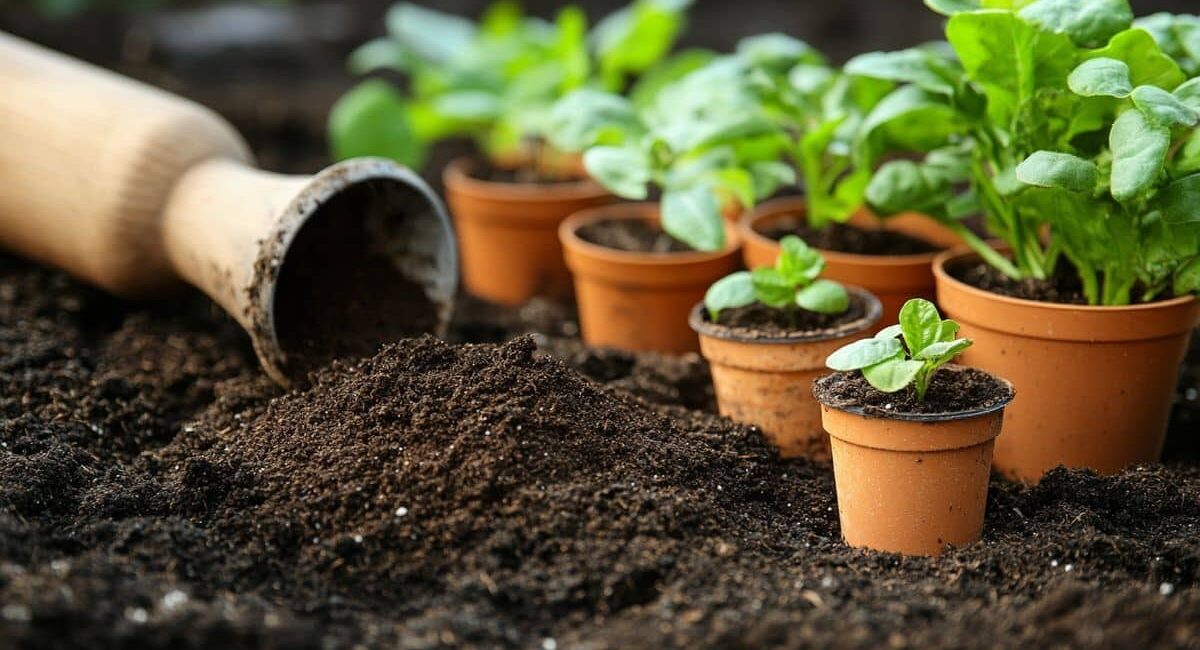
{"x": 767, "y": 382}
{"x": 508, "y": 233}
{"x": 1094, "y": 383}
{"x": 912, "y": 484}
{"x": 640, "y": 301}
{"x": 893, "y": 278}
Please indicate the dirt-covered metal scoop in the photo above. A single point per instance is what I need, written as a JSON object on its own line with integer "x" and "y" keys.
{"x": 138, "y": 192}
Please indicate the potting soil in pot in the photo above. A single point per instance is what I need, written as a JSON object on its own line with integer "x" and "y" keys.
{"x": 156, "y": 491}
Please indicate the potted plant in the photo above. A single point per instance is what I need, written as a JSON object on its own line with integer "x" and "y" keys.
{"x": 833, "y": 146}
{"x": 1084, "y": 160}
{"x": 766, "y": 335}
{"x": 702, "y": 142}
{"x": 912, "y": 438}
{"x": 495, "y": 82}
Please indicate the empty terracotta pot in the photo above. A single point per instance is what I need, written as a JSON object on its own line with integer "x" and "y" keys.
{"x": 913, "y": 484}
{"x": 640, "y": 301}
{"x": 508, "y": 233}
{"x": 892, "y": 278}
{"x": 767, "y": 382}
{"x": 1094, "y": 383}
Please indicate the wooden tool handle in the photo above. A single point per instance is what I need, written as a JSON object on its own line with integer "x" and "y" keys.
{"x": 87, "y": 162}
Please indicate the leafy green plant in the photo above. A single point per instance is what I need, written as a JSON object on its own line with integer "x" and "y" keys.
{"x": 1058, "y": 117}
{"x": 494, "y": 81}
{"x": 793, "y": 283}
{"x": 909, "y": 353}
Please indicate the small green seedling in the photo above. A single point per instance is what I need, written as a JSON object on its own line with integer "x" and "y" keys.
{"x": 908, "y": 353}
{"x": 794, "y": 282}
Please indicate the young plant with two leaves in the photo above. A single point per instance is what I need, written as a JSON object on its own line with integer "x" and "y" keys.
{"x": 793, "y": 283}
{"x": 494, "y": 81}
{"x": 908, "y": 353}
{"x": 1068, "y": 127}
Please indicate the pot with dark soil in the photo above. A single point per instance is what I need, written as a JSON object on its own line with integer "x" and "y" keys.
{"x": 912, "y": 438}
{"x": 766, "y": 335}
{"x": 1097, "y": 382}
{"x": 635, "y": 284}
{"x": 892, "y": 258}
{"x": 507, "y": 225}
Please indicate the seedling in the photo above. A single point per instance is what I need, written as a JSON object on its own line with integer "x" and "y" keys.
{"x": 909, "y": 353}
{"x": 793, "y": 283}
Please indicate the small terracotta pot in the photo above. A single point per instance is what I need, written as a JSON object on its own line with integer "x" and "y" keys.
{"x": 508, "y": 233}
{"x": 1095, "y": 383}
{"x": 640, "y": 301}
{"x": 893, "y": 278}
{"x": 767, "y": 382}
{"x": 912, "y": 484}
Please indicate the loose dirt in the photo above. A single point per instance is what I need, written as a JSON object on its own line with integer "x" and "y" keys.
{"x": 952, "y": 390}
{"x": 758, "y": 321}
{"x": 632, "y": 235}
{"x": 157, "y": 491}
{"x": 845, "y": 238}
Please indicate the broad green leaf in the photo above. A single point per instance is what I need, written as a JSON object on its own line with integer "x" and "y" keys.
{"x": 1187, "y": 278}
{"x": 1164, "y": 108}
{"x": 798, "y": 262}
{"x": 502, "y": 18}
{"x": 863, "y": 353}
{"x": 901, "y": 186}
{"x": 1053, "y": 169}
{"x": 1089, "y": 23}
{"x": 908, "y": 119}
{"x": 943, "y": 350}
{"x": 921, "y": 324}
{"x": 372, "y": 120}
{"x": 434, "y": 35}
{"x": 623, "y": 170}
{"x": 381, "y": 53}
{"x": 730, "y": 292}
{"x": 736, "y": 183}
{"x": 667, "y": 72}
{"x": 889, "y": 332}
{"x": 824, "y": 297}
{"x": 469, "y": 105}
{"x": 772, "y": 288}
{"x": 1187, "y": 158}
{"x": 1148, "y": 65}
{"x": 913, "y": 66}
{"x": 951, "y": 7}
{"x": 1101, "y": 77}
{"x": 693, "y": 216}
{"x": 1189, "y": 93}
{"x": 948, "y": 330}
{"x": 777, "y": 51}
{"x": 1180, "y": 200}
{"x": 1139, "y": 149}
{"x": 809, "y": 79}
{"x": 635, "y": 38}
{"x": 587, "y": 117}
{"x": 770, "y": 175}
{"x": 894, "y": 375}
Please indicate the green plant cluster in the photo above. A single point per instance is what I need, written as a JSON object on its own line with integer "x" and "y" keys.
{"x": 494, "y": 80}
{"x": 793, "y": 283}
{"x": 908, "y": 353}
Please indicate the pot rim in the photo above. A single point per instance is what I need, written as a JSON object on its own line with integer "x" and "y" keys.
{"x": 569, "y": 236}
{"x": 872, "y": 316}
{"x": 960, "y": 252}
{"x": 790, "y": 204}
{"x": 456, "y": 176}
{"x": 925, "y": 417}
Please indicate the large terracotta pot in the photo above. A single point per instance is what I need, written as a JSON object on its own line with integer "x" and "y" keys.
{"x": 640, "y": 301}
{"x": 767, "y": 382}
{"x": 508, "y": 233}
{"x": 1094, "y": 384}
{"x": 913, "y": 484}
{"x": 893, "y": 278}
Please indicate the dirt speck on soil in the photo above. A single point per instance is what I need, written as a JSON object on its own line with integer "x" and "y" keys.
{"x": 846, "y": 238}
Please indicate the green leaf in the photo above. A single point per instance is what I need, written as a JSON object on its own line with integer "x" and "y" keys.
{"x": 637, "y": 37}
{"x": 1180, "y": 200}
{"x": 777, "y": 51}
{"x": 943, "y": 350}
{"x": 947, "y": 331}
{"x": 772, "y": 288}
{"x": 864, "y": 353}
{"x": 1101, "y": 77}
{"x": 667, "y": 72}
{"x": 951, "y": 7}
{"x": 889, "y": 332}
{"x": 381, "y": 53}
{"x": 1052, "y": 169}
{"x": 738, "y": 183}
{"x": 770, "y": 175}
{"x": 693, "y": 216}
{"x": 1148, "y": 65}
{"x": 798, "y": 262}
{"x": 1189, "y": 93}
{"x": 468, "y": 105}
{"x": 1089, "y": 23}
{"x": 1139, "y": 149}
{"x": 1187, "y": 278}
{"x": 433, "y": 35}
{"x": 809, "y": 79}
{"x": 913, "y": 66}
{"x": 921, "y": 324}
{"x": 893, "y": 375}
{"x": 1164, "y": 108}
{"x": 587, "y": 117}
{"x": 625, "y": 171}
{"x": 730, "y": 292}
{"x": 1187, "y": 158}
{"x": 824, "y": 297}
{"x": 372, "y": 120}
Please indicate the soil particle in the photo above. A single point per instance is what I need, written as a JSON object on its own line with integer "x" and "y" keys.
{"x": 846, "y": 238}
{"x": 1063, "y": 288}
{"x": 633, "y": 235}
{"x": 953, "y": 389}
{"x": 758, "y": 321}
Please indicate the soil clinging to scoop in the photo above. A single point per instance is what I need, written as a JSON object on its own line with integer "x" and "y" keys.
{"x": 847, "y": 238}
{"x": 953, "y": 389}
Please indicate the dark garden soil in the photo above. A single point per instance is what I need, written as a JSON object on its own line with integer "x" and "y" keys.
{"x": 632, "y": 235}
{"x": 1064, "y": 287}
{"x": 484, "y": 171}
{"x": 846, "y": 238}
{"x": 758, "y": 321}
{"x": 952, "y": 390}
